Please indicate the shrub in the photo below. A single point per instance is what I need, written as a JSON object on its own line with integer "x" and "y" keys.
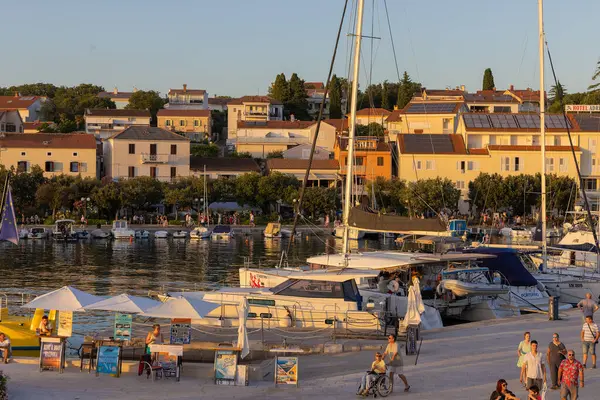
{"x": 3, "y": 386}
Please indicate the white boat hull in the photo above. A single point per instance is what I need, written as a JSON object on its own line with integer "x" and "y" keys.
{"x": 99, "y": 234}
{"x": 123, "y": 233}
{"x": 353, "y": 233}
{"x": 161, "y": 235}
{"x": 461, "y": 288}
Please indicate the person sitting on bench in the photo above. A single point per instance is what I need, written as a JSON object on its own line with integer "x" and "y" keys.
{"x": 5, "y": 350}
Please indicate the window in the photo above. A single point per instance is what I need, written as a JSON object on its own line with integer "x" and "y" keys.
{"x": 380, "y": 161}
{"x": 173, "y": 172}
{"x": 505, "y": 164}
{"x": 430, "y": 164}
{"x": 173, "y": 149}
{"x": 446, "y": 125}
{"x": 501, "y": 109}
{"x": 461, "y": 166}
{"x": 517, "y": 164}
{"x": 417, "y": 164}
{"x": 360, "y": 161}
{"x": 11, "y": 127}
{"x": 153, "y": 172}
{"x": 22, "y": 166}
{"x": 23, "y": 154}
{"x": 493, "y": 139}
{"x": 305, "y": 154}
{"x": 590, "y": 184}
{"x": 49, "y": 154}
{"x": 549, "y": 164}
{"x": 131, "y": 172}
{"x": 562, "y": 165}
{"x": 49, "y": 166}
{"x": 473, "y": 165}
{"x": 592, "y": 145}
{"x": 168, "y": 122}
{"x": 74, "y": 166}
{"x": 75, "y": 154}
{"x": 535, "y": 140}
{"x": 306, "y": 288}
{"x": 131, "y": 148}
{"x": 196, "y": 122}
{"x": 181, "y": 122}
{"x": 514, "y": 140}
{"x": 460, "y": 185}
{"x": 557, "y": 140}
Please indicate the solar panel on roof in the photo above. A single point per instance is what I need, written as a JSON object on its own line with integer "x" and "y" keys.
{"x": 503, "y": 121}
{"x": 477, "y": 121}
{"x": 528, "y": 121}
{"x": 556, "y": 121}
{"x": 428, "y": 144}
{"x": 432, "y": 108}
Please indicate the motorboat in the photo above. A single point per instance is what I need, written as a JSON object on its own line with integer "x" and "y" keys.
{"x": 63, "y": 230}
{"x": 23, "y": 233}
{"x": 180, "y": 234}
{"x": 100, "y": 234}
{"x": 121, "y": 230}
{"x": 516, "y": 232}
{"x": 142, "y": 234}
{"x": 221, "y": 232}
{"x": 200, "y": 232}
{"x": 273, "y": 230}
{"x": 161, "y": 235}
{"x": 37, "y": 233}
{"x": 82, "y": 235}
{"x": 353, "y": 233}
{"x": 462, "y": 288}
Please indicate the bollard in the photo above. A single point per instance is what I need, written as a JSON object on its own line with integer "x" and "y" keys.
{"x": 553, "y": 308}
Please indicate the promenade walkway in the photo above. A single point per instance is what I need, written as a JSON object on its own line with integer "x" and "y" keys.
{"x": 458, "y": 362}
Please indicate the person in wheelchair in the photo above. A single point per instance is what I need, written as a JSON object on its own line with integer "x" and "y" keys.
{"x": 377, "y": 368}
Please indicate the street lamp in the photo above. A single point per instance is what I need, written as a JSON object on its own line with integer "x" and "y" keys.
{"x": 85, "y": 201}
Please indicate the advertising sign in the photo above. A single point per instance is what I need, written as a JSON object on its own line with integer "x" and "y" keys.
{"x": 65, "y": 324}
{"x": 108, "y": 360}
{"x": 122, "y": 326}
{"x": 181, "y": 331}
{"x": 51, "y": 354}
{"x": 286, "y": 371}
{"x": 225, "y": 367}
{"x": 582, "y": 108}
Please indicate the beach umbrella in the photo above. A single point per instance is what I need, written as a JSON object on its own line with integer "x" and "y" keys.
{"x": 181, "y": 307}
{"x": 67, "y": 298}
{"x": 124, "y": 303}
{"x": 242, "y": 341}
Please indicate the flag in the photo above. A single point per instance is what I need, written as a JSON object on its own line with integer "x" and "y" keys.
{"x": 8, "y": 227}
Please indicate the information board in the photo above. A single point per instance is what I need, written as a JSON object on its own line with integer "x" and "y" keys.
{"x": 225, "y": 367}
{"x": 181, "y": 331}
{"x": 65, "y": 324}
{"x": 108, "y": 360}
{"x": 286, "y": 371}
{"x": 123, "y": 326}
{"x": 51, "y": 354}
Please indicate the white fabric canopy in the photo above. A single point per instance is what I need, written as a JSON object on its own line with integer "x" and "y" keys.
{"x": 242, "y": 341}
{"x": 67, "y": 298}
{"x": 124, "y": 303}
{"x": 181, "y": 307}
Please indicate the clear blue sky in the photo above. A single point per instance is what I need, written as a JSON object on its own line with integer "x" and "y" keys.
{"x": 236, "y": 47}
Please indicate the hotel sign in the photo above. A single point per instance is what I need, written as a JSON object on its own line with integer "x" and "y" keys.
{"x": 582, "y": 108}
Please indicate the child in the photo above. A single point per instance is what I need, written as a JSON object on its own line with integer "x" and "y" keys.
{"x": 534, "y": 393}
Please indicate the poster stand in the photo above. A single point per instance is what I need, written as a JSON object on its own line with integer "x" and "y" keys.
{"x": 109, "y": 358}
{"x": 52, "y": 354}
{"x": 225, "y": 365}
{"x": 286, "y": 366}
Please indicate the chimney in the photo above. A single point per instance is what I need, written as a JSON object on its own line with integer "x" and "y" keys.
{"x": 115, "y": 90}
{"x": 16, "y": 94}
{"x": 184, "y": 87}
{"x": 512, "y": 87}
{"x": 135, "y": 89}
{"x": 494, "y": 89}
{"x": 395, "y": 107}
{"x": 462, "y": 88}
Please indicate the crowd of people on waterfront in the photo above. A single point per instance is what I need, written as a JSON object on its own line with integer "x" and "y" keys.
{"x": 566, "y": 372}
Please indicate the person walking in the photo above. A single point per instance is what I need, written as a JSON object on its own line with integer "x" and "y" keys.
{"x": 587, "y": 306}
{"x": 252, "y": 219}
{"x": 395, "y": 364}
{"x": 589, "y": 339}
{"x": 523, "y": 349}
{"x": 556, "y": 353}
{"x": 570, "y": 374}
{"x": 533, "y": 371}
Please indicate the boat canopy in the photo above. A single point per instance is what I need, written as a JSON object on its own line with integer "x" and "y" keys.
{"x": 508, "y": 262}
{"x": 341, "y": 275}
{"x": 222, "y": 229}
{"x": 430, "y": 239}
{"x": 366, "y": 219}
{"x": 585, "y": 247}
{"x": 65, "y": 221}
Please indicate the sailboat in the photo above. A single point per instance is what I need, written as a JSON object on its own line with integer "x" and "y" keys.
{"x": 203, "y": 232}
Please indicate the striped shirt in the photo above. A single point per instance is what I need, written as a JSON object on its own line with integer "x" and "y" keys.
{"x": 589, "y": 332}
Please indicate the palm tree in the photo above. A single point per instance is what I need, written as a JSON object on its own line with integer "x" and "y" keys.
{"x": 596, "y": 75}
{"x": 557, "y": 92}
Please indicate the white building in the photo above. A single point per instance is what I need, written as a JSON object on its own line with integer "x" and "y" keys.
{"x": 121, "y": 99}
{"x": 10, "y": 122}
{"x": 190, "y": 99}
{"x": 251, "y": 109}
{"x": 104, "y": 123}
{"x": 29, "y": 107}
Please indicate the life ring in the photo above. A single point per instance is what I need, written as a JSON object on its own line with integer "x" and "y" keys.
{"x": 393, "y": 286}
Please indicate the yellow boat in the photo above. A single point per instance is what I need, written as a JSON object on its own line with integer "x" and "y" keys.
{"x": 21, "y": 331}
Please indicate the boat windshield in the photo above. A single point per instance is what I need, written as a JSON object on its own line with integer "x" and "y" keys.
{"x": 317, "y": 289}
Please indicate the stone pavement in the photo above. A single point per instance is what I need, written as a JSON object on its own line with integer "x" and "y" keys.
{"x": 458, "y": 362}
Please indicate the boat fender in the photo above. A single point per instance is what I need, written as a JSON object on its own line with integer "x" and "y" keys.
{"x": 393, "y": 286}
{"x": 440, "y": 289}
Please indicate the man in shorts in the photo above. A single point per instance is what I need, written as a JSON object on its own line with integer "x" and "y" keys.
{"x": 589, "y": 338}
{"x": 570, "y": 376}
{"x": 588, "y": 306}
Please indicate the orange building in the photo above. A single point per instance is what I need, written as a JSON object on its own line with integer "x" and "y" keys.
{"x": 372, "y": 157}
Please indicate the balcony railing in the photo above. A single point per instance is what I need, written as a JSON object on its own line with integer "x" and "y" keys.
{"x": 155, "y": 158}
{"x": 358, "y": 169}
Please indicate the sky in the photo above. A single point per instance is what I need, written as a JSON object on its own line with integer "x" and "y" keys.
{"x": 237, "y": 47}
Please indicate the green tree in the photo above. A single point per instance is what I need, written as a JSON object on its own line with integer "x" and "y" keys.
{"x": 318, "y": 201}
{"x": 47, "y": 197}
{"x": 24, "y": 186}
{"x": 521, "y": 193}
{"x": 146, "y": 100}
{"x": 487, "y": 192}
{"x": 390, "y": 194}
{"x": 205, "y": 150}
{"x": 275, "y": 154}
{"x": 385, "y": 99}
{"x": 335, "y": 98}
{"x": 297, "y": 104}
{"x": 140, "y": 193}
{"x": 243, "y": 154}
{"x": 557, "y": 93}
{"x": 222, "y": 189}
{"x": 219, "y": 122}
{"x": 595, "y": 86}
{"x": 373, "y": 129}
{"x": 432, "y": 195}
{"x": 108, "y": 199}
{"x": 280, "y": 89}
{"x": 246, "y": 189}
{"x": 274, "y": 187}
{"x": 406, "y": 89}
{"x": 183, "y": 191}
{"x": 488, "y": 80}
{"x": 72, "y": 101}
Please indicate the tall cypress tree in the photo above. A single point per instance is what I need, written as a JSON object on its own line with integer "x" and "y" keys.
{"x": 385, "y": 101}
{"x": 280, "y": 89}
{"x": 488, "y": 80}
{"x": 297, "y": 104}
{"x": 335, "y": 98}
{"x": 405, "y": 91}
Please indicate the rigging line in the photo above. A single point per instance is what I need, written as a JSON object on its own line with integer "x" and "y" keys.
{"x": 314, "y": 142}
{"x": 523, "y": 56}
{"x": 566, "y": 119}
{"x": 370, "y": 92}
{"x": 392, "y": 40}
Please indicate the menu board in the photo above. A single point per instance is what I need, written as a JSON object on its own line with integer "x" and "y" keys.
{"x": 123, "y": 326}
{"x": 65, "y": 324}
{"x": 286, "y": 371}
{"x": 225, "y": 367}
{"x": 181, "y": 331}
{"x": 51, "y": 354}
{"x": 108, "y": 360}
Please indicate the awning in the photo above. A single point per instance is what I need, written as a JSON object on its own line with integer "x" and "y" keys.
{"x": 327, "y": 177}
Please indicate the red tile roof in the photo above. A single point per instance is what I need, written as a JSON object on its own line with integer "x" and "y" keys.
{"x": 254, "y": 99}
{"x": 103, "y": 112}
{"x": 340, "y": 124}
{"x": 314, "y": 85}
{"x": 497, "y": 147}
{"x": 199, "y": 92}
{"x": 49, "y": 140}
{"x": 526, "y": 95}
{"x": 17, "y": 102}
{"x": 483, "y": 152}
{"x": 372, "y": 112}
{"x": 395, "y": 116}
{"x": 443, "y": 92}
{"x": 36, "y": 125}
{"x": 275, "y": 124}
{"x": 222, "y": 101}
{"x": 169, "y": 112}
{"x": 282, "y": 163}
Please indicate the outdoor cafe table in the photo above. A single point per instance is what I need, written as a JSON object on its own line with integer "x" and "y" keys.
{"x": 174, "y": 350}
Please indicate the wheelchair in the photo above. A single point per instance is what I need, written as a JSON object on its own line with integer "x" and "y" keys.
{"x": 381, "y": 386}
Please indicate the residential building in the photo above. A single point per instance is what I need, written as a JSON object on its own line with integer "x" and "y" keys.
{"x": 218, "y": 103}
{"x": 11, "y": 122}
{"x": 104, "y": 122}
{"x": 426, "y": 117}
{"x": 372, "y": 158}
{"x": 315, "y": 92}
{"x": 366, "y": 116}
{"x": 491, "y": 101}
{"x": 56, "y": 154}
{"x": 34, "y": 127}
{"x": 529, "y": 99}
{"x": 194, "y": 124}
{"x": 323, "y": 173}
{"x": 441, "y": 95}
{"x": 260, "y": 138}
{"x": 222, "y": 167}
{"x": 302, "y": 152}
{"x": 341, "y": 125}
{"x": 146, "y": 151}
{"x": 187, "y": 99}
{"x": 251, "y": 109}
{"x": 29, "y": 107}
{"x": 121, "y": 99}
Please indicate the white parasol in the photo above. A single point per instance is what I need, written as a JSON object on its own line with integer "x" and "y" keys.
{"x": 242, "y": 341}
{"x": 181, "y": 307}
{"x": 67, "y": 298}
{"x": 124, "y": 303}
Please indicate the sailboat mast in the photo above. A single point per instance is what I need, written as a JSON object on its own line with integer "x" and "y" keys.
{"x": 352, "y": 125}
{"x": 542, "y": 129}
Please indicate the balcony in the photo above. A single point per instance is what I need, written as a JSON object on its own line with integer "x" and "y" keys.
{"x": 154, "y": 158}
{"x": 358, "y": 169}
{"x": 256, "y": 113}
